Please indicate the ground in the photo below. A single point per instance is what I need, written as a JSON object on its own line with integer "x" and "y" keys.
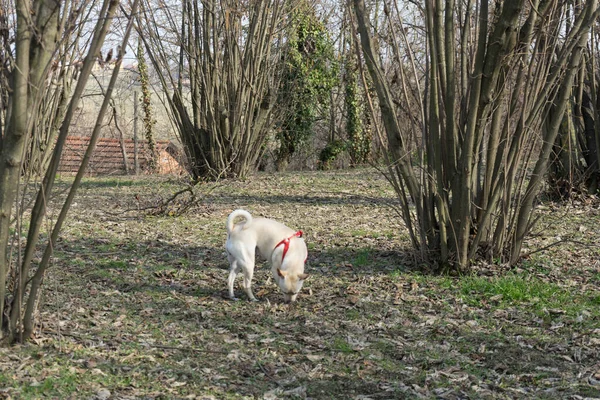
{"x": 135, "y": 307}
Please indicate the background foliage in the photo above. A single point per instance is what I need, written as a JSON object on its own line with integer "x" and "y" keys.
{"x": 309, "y": 75}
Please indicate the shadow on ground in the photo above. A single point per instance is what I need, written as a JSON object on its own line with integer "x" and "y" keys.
{"x": 309, "y": 199}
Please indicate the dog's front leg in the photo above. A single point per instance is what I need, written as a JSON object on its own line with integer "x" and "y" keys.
{"x": 248, "y": 273}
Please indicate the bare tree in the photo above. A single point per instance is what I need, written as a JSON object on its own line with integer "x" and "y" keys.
{"x": 41, "y": 33}
{"x": 485, "y": 98}
{"x": 574, "y": 162}
{"x": 31, "y": 60}
{"x": 222, "y": 84}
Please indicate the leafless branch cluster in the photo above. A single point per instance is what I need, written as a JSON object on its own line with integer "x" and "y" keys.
{"x": 484, "y": 98}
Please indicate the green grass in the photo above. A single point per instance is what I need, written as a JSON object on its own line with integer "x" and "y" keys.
{"x": 512, "y": 288}
{"x": 112, "y": 264}
{"x": 363, "y": 258}
{"x": 342, "y": 345}
{"x": 5, "y": 380}
{"x": 523, "y": 290}
{"x": 63, "y": 384}
{"x": 359, "y": 233}
{"x": 106, "y": 247}
{"x": 352, "y": 314}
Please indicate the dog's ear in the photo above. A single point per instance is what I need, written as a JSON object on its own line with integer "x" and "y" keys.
{"x": 281, "y": 273}
{"x": 302, "y": 276}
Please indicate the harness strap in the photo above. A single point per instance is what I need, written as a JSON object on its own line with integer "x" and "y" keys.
{"x": 286, "y": 243}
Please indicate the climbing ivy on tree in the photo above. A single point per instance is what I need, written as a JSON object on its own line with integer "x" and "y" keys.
{"x": 330, "y": 152}
{"x": 148, "y": 121}
{"x": 359, "y": 137}
{"x": 310, "y": 74}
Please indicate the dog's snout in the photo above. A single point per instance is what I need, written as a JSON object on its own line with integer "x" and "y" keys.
{"x": 290, "y": 297}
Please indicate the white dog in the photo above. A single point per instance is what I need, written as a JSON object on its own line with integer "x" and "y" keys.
{"x": 277, "y": 243}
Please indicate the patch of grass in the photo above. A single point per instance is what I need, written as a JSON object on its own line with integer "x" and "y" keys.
{"x": 5, "y": 380}
{"x": 391, "y": 235}
{"x": 76, "y": 262}
{"x": 112, "y": 264}
{"x": 53, "y": 386}
{"x": 106, "y": 247}
{"x": 163, "y": 269}
{"x": 397, "y": 274}
{"x": 362, "y": 258}
{"x": 359, "y": 233}
{"x": 341, "y": 345}
{"x": 517, "y": 289}
{"x": 512, "y": 288}
{"x": 352, "y": 314}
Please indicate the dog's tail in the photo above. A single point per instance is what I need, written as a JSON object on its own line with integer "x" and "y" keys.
{"x": 238, "y": 213}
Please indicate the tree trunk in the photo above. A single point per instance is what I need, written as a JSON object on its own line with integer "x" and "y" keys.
{"x": 14, "y": 140}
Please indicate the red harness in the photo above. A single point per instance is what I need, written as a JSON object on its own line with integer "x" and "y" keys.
{"x": 286, "y": 243}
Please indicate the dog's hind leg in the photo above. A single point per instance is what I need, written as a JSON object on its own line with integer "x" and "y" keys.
{"x": 248, "y": 273}
{"x": 233, "y": 271}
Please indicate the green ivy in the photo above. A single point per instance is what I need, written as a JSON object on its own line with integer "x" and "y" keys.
{"x": 148, "y": 120}
{"x": 330, "y": 152}
{"x": 309, "y": 76}
{"x": 359, "y": 137}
